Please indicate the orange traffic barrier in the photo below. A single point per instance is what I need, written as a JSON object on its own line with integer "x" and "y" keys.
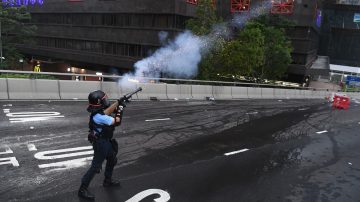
{"x": 341, "y": 102}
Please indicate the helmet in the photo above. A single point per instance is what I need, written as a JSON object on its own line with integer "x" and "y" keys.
{"x": 98, "y": 100}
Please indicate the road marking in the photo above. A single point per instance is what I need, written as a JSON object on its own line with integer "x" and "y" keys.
{"x": 7, "y": 150}
{"x": 6, "y": 111}
{"x": 68, "y": 164}
{"x": 252, "y": 113}
{"x": 19, "y": 120}
{"x": 31, "y": 147}
{"x": 236, "y": 152}
{"x": 163, "y": 195}
{"x": 9, "y": 160}
{"x": 303, "y": 109}
{"x": 42, "y": 155}
{"x": 7, "y": 105}
{"x": 32, "y": 116}
{"x": 166, "y": 119}
{"x": 321, "y": 132}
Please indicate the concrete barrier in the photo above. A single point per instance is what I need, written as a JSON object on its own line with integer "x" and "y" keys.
{"x": 290, "y": 94}
{"x": 152, "y": 90}
{"x": 267, "y": 93}
{"x": 239, "y": 92}
{"x": 222, "y": 92}
{"x": 33, "y": 89}
{"x": 173, "y": 91}
{"x": 200, "y": 92}
{"x": 280, "y": 93}
{"x": 308, "y": 94}
{"x": 112, "y": 89}
{"x": 77, "y": 89}
{"x": 254, "y": 93}
{"x": 129, "y": 87}
{"x": 3, "y": 89}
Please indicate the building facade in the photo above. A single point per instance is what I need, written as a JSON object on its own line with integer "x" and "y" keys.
{"x": 114, "y": 34}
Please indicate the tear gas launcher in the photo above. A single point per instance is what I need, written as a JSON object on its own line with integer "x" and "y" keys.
{"x": 126, "y": 98}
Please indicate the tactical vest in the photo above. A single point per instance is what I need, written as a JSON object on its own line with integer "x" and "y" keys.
{"x": 106, "y": 131}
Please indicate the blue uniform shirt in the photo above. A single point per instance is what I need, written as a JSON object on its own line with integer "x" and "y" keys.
{"x": 102, "y": 119}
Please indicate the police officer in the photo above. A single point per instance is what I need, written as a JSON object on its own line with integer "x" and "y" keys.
{"x": 102, "y": 124}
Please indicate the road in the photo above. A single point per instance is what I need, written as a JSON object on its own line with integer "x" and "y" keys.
{"x": 243, "y": 150}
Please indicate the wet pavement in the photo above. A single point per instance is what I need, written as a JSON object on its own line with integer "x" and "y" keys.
{"x": 245, "y": 150}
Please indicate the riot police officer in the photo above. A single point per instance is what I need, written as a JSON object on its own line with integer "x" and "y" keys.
{"x": 102, "y": 124}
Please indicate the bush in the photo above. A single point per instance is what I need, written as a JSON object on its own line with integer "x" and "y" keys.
{"x": 28, "y": 76}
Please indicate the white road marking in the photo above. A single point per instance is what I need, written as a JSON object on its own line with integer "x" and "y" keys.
{"x": 6, "y": 111}
{"x": 31, "y": 127}
{"x": 42, "y": 155}
{"x": 7, "y": 150}
{"x": 166, "y": 119}
{"x": 252, "y": 113}
{"x": 9, "y": 160}
{"x": 303, "y": 109}
{"x": 320, "y": 132}
{"x": 68, "y": 164}
{"x": 19, "y": 120}
{"x": 236, "y": 152}
{"x": 7, "y": 105}
{"x": 33, "y": 114}
{"x": 19, "y": 117}
{"x": 163, "y": 195}
{"x": 31, "y": 147}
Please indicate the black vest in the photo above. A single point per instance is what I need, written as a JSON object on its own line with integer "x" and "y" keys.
{"x": 106, "y": 131}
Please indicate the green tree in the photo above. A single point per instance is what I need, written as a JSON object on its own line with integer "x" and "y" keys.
{"x": 245, "y": 54}
{"x": 278, "y": 47}
{"x": 204, "y": 19}
{"x": 202, "y": 25}
{"x": 14, "y": 30}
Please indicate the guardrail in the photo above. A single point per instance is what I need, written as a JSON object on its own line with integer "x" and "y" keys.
{"x": 41, "y": 89}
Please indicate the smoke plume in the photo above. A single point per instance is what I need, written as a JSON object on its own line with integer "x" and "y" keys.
{"x": 180, "y": 58}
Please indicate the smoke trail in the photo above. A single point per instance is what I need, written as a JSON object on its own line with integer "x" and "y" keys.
{"x": 240, "y": 20}
{"x": 180, "y": 58}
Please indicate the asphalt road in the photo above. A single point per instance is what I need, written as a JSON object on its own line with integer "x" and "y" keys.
{"x": 246, "y": 150}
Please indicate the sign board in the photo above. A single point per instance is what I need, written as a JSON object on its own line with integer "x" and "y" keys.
{"x": 353, "y": 81}
{"x": 357, "y": 17}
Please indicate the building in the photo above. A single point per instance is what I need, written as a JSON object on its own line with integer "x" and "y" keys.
{"x": 108, "y": 34}
{"x": 113, "y": 35}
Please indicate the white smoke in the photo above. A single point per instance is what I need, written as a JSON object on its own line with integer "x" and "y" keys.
{"x": 180, "y": 58}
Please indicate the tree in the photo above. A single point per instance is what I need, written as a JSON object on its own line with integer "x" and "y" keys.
{"x": 205, "y": 18}
{"x": 14, "y": 30}
{"x": 245, "y": 54}
{"x": 202, "y": 25}
{"x": 277, "y": 46}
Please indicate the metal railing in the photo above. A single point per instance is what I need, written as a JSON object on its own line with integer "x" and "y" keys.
{"x": 103, "y": 78}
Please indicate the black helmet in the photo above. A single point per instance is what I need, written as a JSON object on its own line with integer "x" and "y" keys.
{"x": 98, "y": 100}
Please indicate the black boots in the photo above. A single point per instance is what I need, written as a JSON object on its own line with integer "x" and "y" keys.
{"x": 108, "y": 182}
{"x": 85, "y": 194}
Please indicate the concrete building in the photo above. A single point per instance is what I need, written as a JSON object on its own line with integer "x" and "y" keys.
{"x": 112, "y": 35}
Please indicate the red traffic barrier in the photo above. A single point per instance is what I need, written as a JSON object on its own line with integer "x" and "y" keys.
{"x": 341, "y": 102}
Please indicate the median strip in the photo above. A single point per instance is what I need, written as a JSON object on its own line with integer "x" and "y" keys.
{"x": 236, "y": 152}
